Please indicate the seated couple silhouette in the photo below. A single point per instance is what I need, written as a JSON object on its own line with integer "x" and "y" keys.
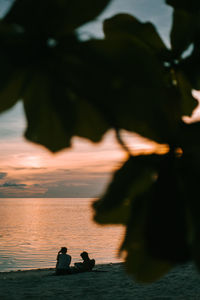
{"x": 64, "y": 260}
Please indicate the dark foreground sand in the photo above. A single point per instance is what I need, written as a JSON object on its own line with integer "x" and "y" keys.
{"x": 110, "y": 282}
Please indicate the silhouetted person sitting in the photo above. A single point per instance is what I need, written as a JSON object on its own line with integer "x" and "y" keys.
{"x": 87, "y": 264}
{"x": 63, "y": 262}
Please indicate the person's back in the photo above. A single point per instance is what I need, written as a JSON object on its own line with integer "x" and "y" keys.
{"x": 63, "y": 262}
{"x": 87, "y": 264}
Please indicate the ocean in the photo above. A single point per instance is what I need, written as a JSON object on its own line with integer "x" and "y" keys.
{"x": 32, "y": 231}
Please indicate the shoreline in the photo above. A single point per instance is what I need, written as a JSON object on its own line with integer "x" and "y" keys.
{"x": 96, "y": 268}
{"x": 110, "y": 281}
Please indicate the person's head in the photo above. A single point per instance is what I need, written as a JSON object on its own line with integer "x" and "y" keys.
{"x": 84, "y": 255}
{"x": 63, "y": 250}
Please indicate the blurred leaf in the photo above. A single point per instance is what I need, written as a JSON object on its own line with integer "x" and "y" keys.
{"x": 138, "y": 262}
{"x": 10, "y": 90}
{"x": 188, "y": 139}
{"x": 55, "y": 114}
{"x": 44, "y": 124}
{"x": 62, "y": 112}
{"x": 91, "y": 9}
{"x": 153, "y": 194}
{"x": 188, "y": 102}
{"x": 189, "y": 187}
{"x": 189, "y": 135}
{"x": 115, "y": 78}
{"x": 89, "y": 122}
{"x": 133, "y": 178}
{"x": 121, "y": 77}
{"x": 192, "y": 5}
{"x": 12, "y": 77}
{"x": 166, "y": 231}
{"x": 183, "y": 31}
{"x": 145, "y": 32}
{"x": 190, "y": 66}
{"x": 135, "y": 79}
{"x": 143, "y": 267}
{"x": 54, "y": 18}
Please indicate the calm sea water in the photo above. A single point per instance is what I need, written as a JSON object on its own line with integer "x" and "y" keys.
{"x": 33, "y": 230}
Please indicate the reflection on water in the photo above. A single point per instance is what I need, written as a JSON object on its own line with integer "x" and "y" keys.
{"x": 33, "y": 230}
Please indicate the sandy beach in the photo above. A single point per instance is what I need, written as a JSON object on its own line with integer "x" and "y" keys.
{"x": 108, "y": 282}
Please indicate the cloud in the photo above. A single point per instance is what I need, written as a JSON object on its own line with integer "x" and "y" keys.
{"x": 90, "y": 186}
{"x": 2, "y": 175}
{"x": 27, "y": 168}
{"x": 58, "y": 183}
{"x": 13, "y": 184}
{"x": 20, "y": 190}
{"x": 76, "y": 189}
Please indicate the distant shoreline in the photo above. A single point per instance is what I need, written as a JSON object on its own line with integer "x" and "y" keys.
{"x": 111, "y": 282}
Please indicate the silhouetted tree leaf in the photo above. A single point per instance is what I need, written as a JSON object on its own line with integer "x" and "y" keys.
{"x": 54, "y": 18}
{"x": 190, "y": 66}
{"x": 89, "y": 122}
{"x": 55, "y": 114}
{"x": 131, "y": 188}
{"x": 126, "y": 201}
{"x": 183, "y": 31}
{"x": 192, "y": 5}
{"x": 110, "y": 77}
{"x": 188, "y": 180}
{"x": 134, "y": 79}
{"x": 11, "y": 76}
{"x": 186, "y": 27}
{"x": 162, "y": 221}
{"x": 133, "y": 178}
{"x": 138, "y": 262}
{"x": 60, "y": 106}
{"x": 188, "y": 139}
{"x": 44, "y": 124}
{"x": 11, "y": 84}
{"x": 145, "y": 32}
{"x": 184, "y": 87}
{"x": 166, "y": 227}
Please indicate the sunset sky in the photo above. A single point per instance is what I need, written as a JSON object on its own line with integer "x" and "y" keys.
{"x": 28, "y": 170}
